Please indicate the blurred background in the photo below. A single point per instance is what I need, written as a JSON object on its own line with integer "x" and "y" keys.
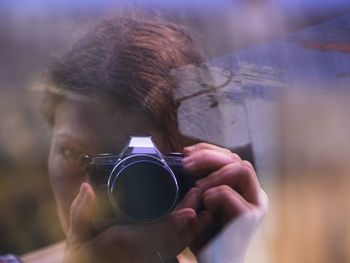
{"x": 286, "y": 69}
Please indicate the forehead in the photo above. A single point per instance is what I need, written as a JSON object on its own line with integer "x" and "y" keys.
{"x": 74, "y": 114}
{"x": 98, "y": 122}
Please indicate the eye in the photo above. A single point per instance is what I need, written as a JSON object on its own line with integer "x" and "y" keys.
{"x": 71, "y": 155}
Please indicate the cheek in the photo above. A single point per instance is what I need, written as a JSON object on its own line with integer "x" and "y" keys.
{"x": 65, "y": 182}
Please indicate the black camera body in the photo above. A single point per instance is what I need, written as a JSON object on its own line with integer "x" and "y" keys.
{"x": 139, "y": 185}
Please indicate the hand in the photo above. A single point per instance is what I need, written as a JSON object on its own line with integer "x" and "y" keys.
{"x": 231, "y": 193}
{"x": 131, "y": 243}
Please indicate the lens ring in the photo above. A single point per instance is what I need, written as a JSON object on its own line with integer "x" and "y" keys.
{"x": 128, "y": 189}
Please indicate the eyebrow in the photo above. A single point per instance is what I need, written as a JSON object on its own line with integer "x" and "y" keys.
{"x": 69, "y": 137}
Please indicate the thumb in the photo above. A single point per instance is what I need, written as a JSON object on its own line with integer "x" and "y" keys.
{"x": 81, "y": 213}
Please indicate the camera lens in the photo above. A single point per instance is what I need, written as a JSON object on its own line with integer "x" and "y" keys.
{"x": 144, "y": 191}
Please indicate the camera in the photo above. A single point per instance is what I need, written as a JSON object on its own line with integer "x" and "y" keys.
{"x": 139, "y": 185}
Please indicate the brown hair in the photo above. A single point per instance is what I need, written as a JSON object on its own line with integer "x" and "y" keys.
{"x": 129, "y": 60}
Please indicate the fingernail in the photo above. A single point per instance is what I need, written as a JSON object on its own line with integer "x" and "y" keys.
{"x": 187, "y": 150}
{"x": 185, "y": 218}
{"x": 185, "y": 160}
{"x": 202, "y": 184}
{"x": 86, "y": 196}
{"x": 82, "y": 192}
{"x": 82, "y": 188}
{"x": 187, "y": 163}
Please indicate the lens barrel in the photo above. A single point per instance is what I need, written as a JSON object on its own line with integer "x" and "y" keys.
{"x": 142, "y": 189}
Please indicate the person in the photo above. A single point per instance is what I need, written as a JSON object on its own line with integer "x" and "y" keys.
{"x": 116, "y": 82}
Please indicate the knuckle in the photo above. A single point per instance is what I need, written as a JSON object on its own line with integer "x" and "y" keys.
{"x": 234, "y": 156}
{"x": 264, "y": 203}
{"x": 201, "y": 145}
{"x": 234, "y": 166}
{"x": 231, "y": 170}
{"x": 253, "y": 216}
{"x": 248, "y": 171}
{"x": 247, "y": 163}
{"x": 224, "y": 189}
{"x": 204, "y": 155}
{"x": 193, "y": 190}
{"x": 225, "y": 150}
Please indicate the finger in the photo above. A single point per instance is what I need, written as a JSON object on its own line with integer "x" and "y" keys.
{"x": 145, "y": 240}
{"x": 225, "y": 200}
{"x": 159, "y": 232}
{"x": 192, "y": 199}
{"x": 238, "y": 176}
{"x": 178, "y": 219}
{"x": 264, "y": 202}
{"x": 204, "y": 146}
{"x": 81, "y": 214}
{"x": 250, "y": 167}
{"x": 204, "y": 232}
{"x": 236, "y": 167}
{"x": 174, "y": 224}
{"x": 205, "y": 161}
{"x": 212, "y": 178}
{"x": 184, "y": 239}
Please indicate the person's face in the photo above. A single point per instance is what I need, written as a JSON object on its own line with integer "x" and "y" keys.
{"x": 89, "y": 128}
